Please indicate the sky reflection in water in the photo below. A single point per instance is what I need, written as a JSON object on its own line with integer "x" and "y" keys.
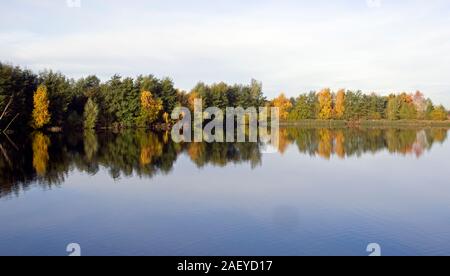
{"x": 325, "y": 192}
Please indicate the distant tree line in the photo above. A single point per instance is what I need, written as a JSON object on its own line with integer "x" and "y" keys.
{"x": 354, "y": 106}
{"x": 50, "y": 99}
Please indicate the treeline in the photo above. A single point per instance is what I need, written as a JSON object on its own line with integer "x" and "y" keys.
{"x": 354, "y": 106}
{"x": 50, "y": 99}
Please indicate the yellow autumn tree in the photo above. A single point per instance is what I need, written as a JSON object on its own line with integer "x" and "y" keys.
{"x": 150, "y": 108}
{"x": 325, "y": 104}
{"x": 41, "y": 115}
{"x": 284, "y": 104}
{"x": 339, "y": 107}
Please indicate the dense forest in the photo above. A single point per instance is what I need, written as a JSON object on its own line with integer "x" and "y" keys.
{"x": 51, "y": 100}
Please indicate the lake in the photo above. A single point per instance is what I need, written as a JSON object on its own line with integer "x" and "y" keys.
{"x": 322, "y": 192}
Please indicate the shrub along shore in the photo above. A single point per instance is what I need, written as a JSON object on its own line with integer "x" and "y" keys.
{"x": 51, "y": 101}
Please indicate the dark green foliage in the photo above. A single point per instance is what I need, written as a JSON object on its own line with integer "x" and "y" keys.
{"x": 18, "y": 85}
{"x": 304, "y": 107}
{"x": 60, "y": 94}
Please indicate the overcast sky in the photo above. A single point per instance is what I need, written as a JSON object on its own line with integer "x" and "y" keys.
{"x": 291, "y": 46}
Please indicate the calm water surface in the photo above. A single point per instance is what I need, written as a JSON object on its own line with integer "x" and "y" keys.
{"x": 324, "y": 192}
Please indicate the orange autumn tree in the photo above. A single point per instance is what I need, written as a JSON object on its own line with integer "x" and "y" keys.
{"x": 41, "y": 115}
{"x": 150, "y": 108}
{"x": 284, "y": 104}
{"x": 339, "y": 108}
{"x": 325, "y": 104}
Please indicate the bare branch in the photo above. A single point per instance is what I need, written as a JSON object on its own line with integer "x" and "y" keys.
{"x": 6, "y": 108}
{"x": 17, "y": 115}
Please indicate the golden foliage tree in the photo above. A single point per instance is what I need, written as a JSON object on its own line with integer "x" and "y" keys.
{"x": 284, "y": 104}
{"x": 41, "y": 115}
{"x": 325, "y": 104}
{"x": 150, "y": 108}
{"x": 339, "y": 108}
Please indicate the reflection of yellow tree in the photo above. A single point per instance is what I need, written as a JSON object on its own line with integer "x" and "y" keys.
{"x": 340, "y": 144}
{"x": 283, "y": 141}
{"x": 325, "y": 143}
{"x": 90, "y": 144}
{"x": 196, "y": 151}
{"x": 166, "y": 138}
{"x": 439, "y": 135}
{"x": 40, "y": 153}
{"x": 151, "y": 148}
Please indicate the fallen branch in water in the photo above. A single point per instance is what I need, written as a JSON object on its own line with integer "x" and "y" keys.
{"x": 5, "y": 154}
{"x": 7, "y": 127}
{"x": 10, "y": 141}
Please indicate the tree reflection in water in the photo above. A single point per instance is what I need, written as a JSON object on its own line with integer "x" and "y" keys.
{"x": 47, "y": 158}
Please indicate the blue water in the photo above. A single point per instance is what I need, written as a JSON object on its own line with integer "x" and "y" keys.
{"x": 291, "y": 203}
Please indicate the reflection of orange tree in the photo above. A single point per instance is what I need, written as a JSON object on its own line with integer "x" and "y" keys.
{"x": 151, "y": 148}
{"x": 339, "y": 146}
{"x": 283, "y": 141}
{"x": 196, "y": 152}
{"x": 40, "y": 153}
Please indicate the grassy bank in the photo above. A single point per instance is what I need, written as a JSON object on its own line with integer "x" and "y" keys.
{"x": 367, "y": 123}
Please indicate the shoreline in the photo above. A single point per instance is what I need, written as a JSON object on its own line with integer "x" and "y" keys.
{"x": 366, "y": 123}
